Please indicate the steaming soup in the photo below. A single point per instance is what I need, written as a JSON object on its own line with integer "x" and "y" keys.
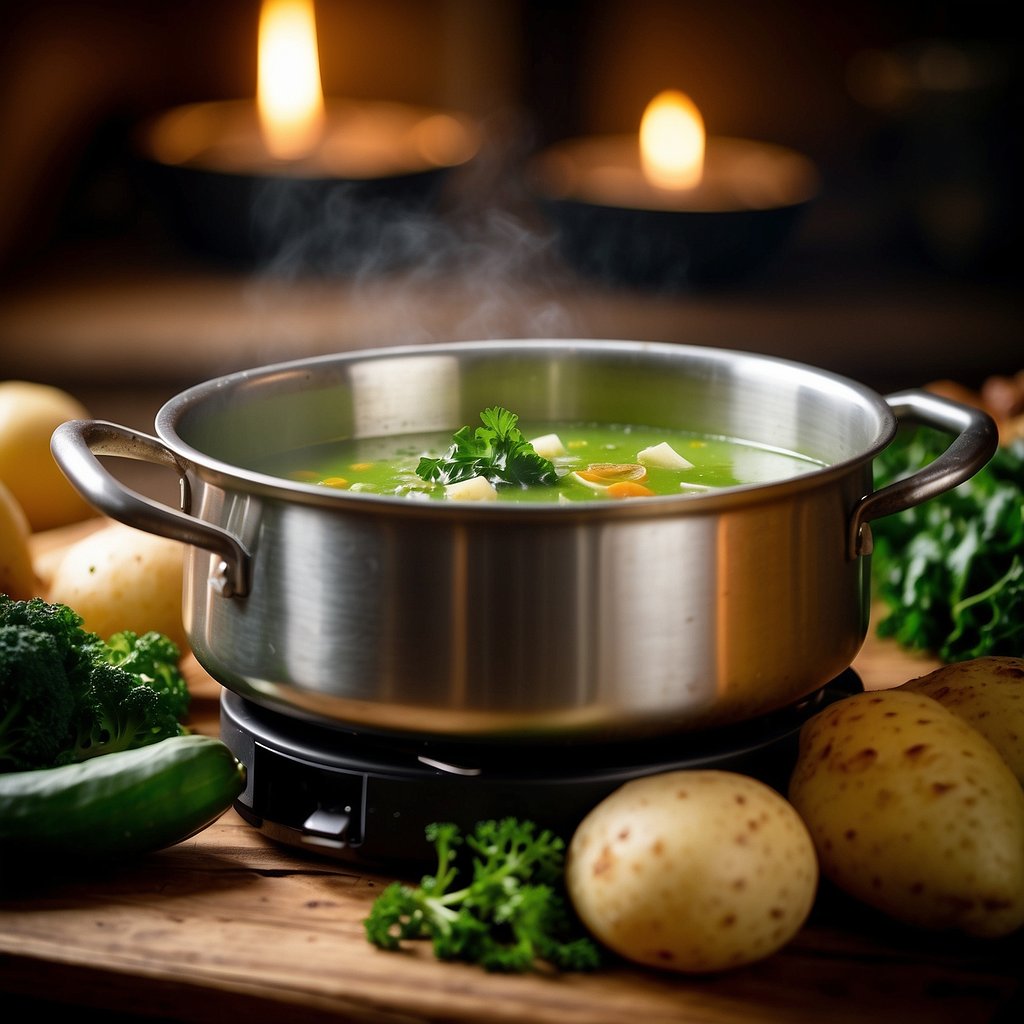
{"x": 591, "y": 462}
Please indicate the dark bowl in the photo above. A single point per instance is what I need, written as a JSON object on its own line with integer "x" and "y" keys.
{"x": 326, "y": 225}
{"x": 612, "y": 226}
{"x": 359, "y": 202}
{"x": 667, "y": 250}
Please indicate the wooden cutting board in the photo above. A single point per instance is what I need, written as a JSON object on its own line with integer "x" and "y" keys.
{"x": 230, "y": 924}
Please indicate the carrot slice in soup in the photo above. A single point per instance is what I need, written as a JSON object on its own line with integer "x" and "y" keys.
{"x": 628, "y": 489}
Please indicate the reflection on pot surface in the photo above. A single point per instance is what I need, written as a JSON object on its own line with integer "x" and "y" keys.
{"x": 583, "y": 620}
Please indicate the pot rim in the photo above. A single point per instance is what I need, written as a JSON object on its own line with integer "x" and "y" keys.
{"x": 222, "y": 472}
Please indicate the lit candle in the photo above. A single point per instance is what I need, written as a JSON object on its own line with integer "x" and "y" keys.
{"x": 292, "y": 130}
{"x": 677, "y": 206}
{"x": 289, "y": 95}
{"x": 672, "y": 142}
{"x": 225, "y": 166}
{"x": 671, "y": 165}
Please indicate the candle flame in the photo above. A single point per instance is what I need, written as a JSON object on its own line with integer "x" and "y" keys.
{"x": 672, "y": 141}
{"x": 289, "y": 94}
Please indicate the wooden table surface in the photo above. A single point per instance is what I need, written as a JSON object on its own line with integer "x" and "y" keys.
{"x": 230, "y": 925}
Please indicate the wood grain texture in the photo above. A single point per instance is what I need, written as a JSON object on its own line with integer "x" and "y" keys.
{"x": 232, "y": 925}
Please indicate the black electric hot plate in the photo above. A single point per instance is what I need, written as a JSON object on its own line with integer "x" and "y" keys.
{"x": 368, "y": 799}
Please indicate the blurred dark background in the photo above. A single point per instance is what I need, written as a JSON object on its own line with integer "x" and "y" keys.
{"x": 905, "y": 269}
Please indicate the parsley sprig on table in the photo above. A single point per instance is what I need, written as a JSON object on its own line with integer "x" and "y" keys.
{"x": 510, "y": 913}
{"x": 497, "y": 451}
{"x": 951, "y": 570}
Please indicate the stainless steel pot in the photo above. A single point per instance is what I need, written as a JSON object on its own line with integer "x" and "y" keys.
{"x": 517, "y": 622}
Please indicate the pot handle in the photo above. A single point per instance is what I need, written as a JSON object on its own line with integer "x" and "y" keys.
{"x": 976, "y": 442}
{"x": 75, "y": 446}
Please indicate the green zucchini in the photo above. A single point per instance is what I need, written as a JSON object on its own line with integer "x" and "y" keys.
{"x": 118, "y": 805}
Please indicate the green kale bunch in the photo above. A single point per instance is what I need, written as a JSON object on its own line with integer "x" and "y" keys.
{"x": 509, "y": 914}
{"x": 950, "y": 571}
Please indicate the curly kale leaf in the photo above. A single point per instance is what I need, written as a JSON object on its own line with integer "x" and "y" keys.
{"x": 950, "y": 571}
{"x": 509, "y": 915}
{"x": 497, "y": 451}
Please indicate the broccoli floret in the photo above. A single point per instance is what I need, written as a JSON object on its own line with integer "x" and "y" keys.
{"x": 36, "y": 700}
{"x": 153, "y": 659}
{"x": 115, "y": 697}
{"x": 120, "y": 714}
{"x": 61, "y": 623}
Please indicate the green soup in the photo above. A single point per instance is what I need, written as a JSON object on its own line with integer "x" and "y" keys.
{"x": 608, "y": 455}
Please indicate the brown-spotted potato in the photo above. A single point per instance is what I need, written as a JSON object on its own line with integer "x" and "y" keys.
{"x": 987, "y": 692}
{"x": 913, "y": 812}
{"x": 692, "y": 870}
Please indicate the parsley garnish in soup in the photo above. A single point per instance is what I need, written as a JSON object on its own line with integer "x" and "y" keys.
{"x": 553, "y": 462}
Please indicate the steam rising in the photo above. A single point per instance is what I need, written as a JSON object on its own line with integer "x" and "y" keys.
{"x": 466, "y": 257}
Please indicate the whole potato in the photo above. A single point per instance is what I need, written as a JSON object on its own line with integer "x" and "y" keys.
{"x": 121, "y": 578}
{"x": 17, "y": 575}
{"x": 913, "y": 812}
{"x": 29, "y": 414}
{"x": 692, "y": 870}
{"x": 987, "y": 692}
